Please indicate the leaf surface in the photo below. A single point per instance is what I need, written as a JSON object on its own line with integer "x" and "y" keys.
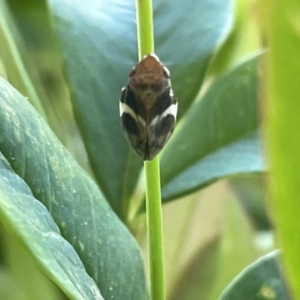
{"x": 108, "y": 251}
{"x": 218, "y": 137}
{"x": 283, "y": 131}
{"x": 99, "y": 44}
{"x": 34, "y": 226}
{"x": 259, "y": 281}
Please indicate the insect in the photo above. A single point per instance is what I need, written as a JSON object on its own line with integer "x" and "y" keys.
{"x": 148, "y": 107}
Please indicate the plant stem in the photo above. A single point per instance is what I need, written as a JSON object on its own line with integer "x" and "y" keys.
{"x": 154, "y": 225}
{"x": 152, "y": 172}
{"x": 145, "y": 33}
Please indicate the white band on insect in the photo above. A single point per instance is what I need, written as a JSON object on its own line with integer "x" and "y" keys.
{"x": 124, "y": 108}
{"x": 171, "y": 110}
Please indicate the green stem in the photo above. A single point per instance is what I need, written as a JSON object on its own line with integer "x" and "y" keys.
{"x": 145, "y": 33}
{"x": 152, "y": 172}
{"x": 154, "y": 226}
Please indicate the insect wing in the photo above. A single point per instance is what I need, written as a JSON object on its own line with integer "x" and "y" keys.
{"x": 163, "y": 124}
{"x": 133, "y": 125}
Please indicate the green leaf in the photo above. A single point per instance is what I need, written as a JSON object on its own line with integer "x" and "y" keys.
{"x": 187, "y": 49}
{"x": 100, "y": 47}
{"x": 10, "y": 53}
{"x": 283, "y": 92}
{"x": 218, "y": 137}
{"x": 262, "y": 280}
{"x": 107, "y": 249}
{"x": 34, "y": 226}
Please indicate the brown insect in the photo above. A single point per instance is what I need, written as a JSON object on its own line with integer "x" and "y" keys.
{"x": 148, "y": 107}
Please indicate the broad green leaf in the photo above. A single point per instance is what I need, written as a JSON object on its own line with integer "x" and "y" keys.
{"x": 218, "y": 137}
{"x": 100, "y": 47}
{"x": 108, "y": 251}
{"x": 283, "y": 127}
{"x": 32, "y": 223}
{"x": 187, "y": 49}
{"x": 262, "y": 280}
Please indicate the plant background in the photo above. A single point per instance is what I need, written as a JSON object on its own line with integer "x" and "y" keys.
{"x": 225, "y": 226}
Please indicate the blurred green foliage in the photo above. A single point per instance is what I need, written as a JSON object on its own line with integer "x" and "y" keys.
{"x": 210, "y": 236}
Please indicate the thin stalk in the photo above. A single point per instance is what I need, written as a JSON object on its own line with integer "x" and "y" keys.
{"x": 152, "y": 171}
{"x": 144, "y": 16}
{"x": 154, "y": 227}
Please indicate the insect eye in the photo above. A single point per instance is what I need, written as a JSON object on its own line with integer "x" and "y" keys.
{"x": 132, "y": 72}
{"x": 166, "y": 73}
